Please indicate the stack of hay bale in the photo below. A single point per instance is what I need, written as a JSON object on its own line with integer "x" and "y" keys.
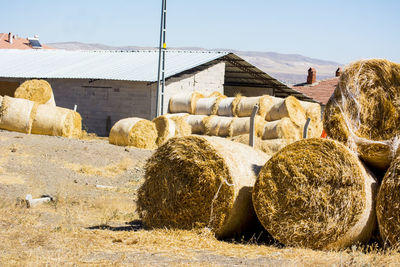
{"x": 279, "y": 121}
{"x": 315, "y": 193}
{"x": 33, "y": 110}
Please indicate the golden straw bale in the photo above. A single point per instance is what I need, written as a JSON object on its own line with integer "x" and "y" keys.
{"x": 269, "y": 147}
{"x": 196, "y": 122}
{"x": 198, "y": 181}
{"x": 225, "y": 107}
{"x": 170, "y": 127}
{"x": 364, "y": 110}
{"x": 242, "y": 126}
{"x": 246, "y": 104}
{"x": 17, "y": 114}
{"x": 135, "y": 132}
{"x": 55, "y": 121}
{"x": 216, "y": 94}
{"x": 281, "y": 129}
{"x": 77, "y": 131}
{"x": 218, "y": 125}
{"x": 313, "y": 111}
{"x": 184, "y": 102}
{"x": 266, "y": 103}
{"x": 36, "y": 90}
{"x": 387, "y": 205}
{"x": 286, "y": 107}
{"x": 235, "y": 104}
{"x": 316, "y": 193}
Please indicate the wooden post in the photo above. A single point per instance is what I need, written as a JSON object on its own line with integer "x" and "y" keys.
{"x": 252, "y": 117}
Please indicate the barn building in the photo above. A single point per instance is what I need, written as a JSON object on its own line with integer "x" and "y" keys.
{"x": 109, "y": 85}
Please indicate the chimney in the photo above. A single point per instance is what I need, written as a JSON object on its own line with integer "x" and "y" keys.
{"x": 10, "y": 38}
{"x": 338, "y": 72}
{"x": 312, "y": 76}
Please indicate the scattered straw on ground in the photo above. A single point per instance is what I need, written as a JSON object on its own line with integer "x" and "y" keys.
{"x": 109, "y": 170}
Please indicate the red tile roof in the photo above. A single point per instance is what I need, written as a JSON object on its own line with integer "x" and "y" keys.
{"x": 18, "y": 43}
{"x": 320, "y": 91}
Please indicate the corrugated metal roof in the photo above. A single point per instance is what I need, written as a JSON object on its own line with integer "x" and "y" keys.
{"x": 109, "y": 65}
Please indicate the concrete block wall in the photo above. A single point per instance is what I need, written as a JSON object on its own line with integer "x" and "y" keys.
{"x": 206, "y": 81}
{"x": 101, "y": 99}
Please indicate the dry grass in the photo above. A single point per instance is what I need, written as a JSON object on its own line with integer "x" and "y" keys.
{"x": 109, "y": 170}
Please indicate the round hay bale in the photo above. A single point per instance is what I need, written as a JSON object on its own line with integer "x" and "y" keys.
{"x": 54, "y": 121}
{"x": 184, "y": 102}
{"x": 36, "y": 90}
{"x": 286, "y": 107}
{"x": 77, "y": 130}
{"x": 225, "y": 107}
{"x": 135, "y": 132}
{"x": 313, "y": 111}
{"x": 241, "y": 126}
{"x": 218, "y": 125}
{"x": 269, "y": 147}
{"x": 281, "y": 129}
{"x": 17, "y": 114}
{"x": 171, "y": 115}
{"x": 387, "y": 205}
{"x": 209, "y": 105}
{"x": 316, "y": 193}
{"x": 246, "y": 104}
{"x": 170, "y": 127}
{"x": 364, "y": 110}
{"x": 200, "y": 181}
{"x": 196, "y": 123}
{"x": 216, "y": 94}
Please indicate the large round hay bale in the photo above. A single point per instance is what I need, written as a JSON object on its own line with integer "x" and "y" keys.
{"x": 184, "y": 102}
{"x": 55, "y": 121}
{"x": 200, "y": 182}
{"x": 225, "y": 107}
{"x": 241, "y": 126}
{"x": 170, "y": 127}
{"x": 269, "y": 147}
{"x": 36, "y": 90}
{"x": 135, "y": 132}
{"x": 316, "y": 193}
{"x": 388, "y": 205}
{"x": 196, "y": 122}
{"x": 17, "y": 114}
{"x": 218, "y": 125}
{"x": 281, "y": 129}
{"x": 364, "y": 110}
{"x": 286, "y": 107}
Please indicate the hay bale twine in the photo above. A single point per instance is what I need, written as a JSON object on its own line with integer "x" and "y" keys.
{"x": 135, "y": 132}
{"x": 36, "y": 90}
{"x": 286, "y": 107}
{"x": 54, "y": 121}
{"x": 17, "y": 114}
{"x": 364, "y": 110}
{"x": 281, "y": 129}
{"x": 388, "y": 205}
{"x": 170, "y": 127}
{"x": 196, "y": 122}
{"x": 200, "y": 181}
{"x": 218, "y": 125}
{"x": 316, "y": 193}
{"x": 184, "y": 102}
{"x": 241, "y": 126}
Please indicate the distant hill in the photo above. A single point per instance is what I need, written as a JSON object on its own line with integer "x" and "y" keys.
{"x": 288, "y": 68}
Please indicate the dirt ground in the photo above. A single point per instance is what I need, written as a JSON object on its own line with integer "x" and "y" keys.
{"x": 92, "y": 220}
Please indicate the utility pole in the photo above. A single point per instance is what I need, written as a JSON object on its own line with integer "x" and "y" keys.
{"x": 161, "y": 61}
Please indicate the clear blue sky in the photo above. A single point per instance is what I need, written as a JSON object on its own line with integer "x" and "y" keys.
{"x": 337, "y": 30}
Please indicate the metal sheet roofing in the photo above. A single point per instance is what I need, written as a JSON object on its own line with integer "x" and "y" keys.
{"x": 109, "y": 65}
